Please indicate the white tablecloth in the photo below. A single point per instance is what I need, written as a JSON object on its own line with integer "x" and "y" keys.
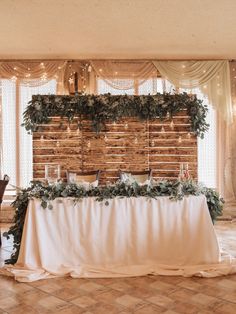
{"x": 129, "y": 237}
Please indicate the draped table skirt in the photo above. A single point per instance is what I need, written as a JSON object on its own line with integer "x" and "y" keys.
{"x": 127, "y": 237}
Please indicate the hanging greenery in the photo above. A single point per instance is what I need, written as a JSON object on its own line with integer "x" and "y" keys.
{"x": 103, "y": 108}
{"x": 176, "y": 190}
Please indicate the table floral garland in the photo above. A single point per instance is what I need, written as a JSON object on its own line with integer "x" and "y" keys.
{"x": 176, "y": 190}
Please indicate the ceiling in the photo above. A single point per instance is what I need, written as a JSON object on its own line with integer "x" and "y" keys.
{"x": 118, "y": 29}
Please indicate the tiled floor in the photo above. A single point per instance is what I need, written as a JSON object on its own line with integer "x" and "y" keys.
{"x": 139, "y": 295}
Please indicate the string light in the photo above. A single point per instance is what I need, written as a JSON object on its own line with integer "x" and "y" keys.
{"x": 168, "y": 115}
{"x": 189, "y": 135}
{"x": 180, "y": 139}
{"x": 58, "y": 144}
{"x": 126, "y": 125}
{"x": 89, "y": 144}
{"x": 172, "y": 125}
{"x": 136, "y": 140}
{"x": 41, "y": 138}
{"x": 162, "y": 129}
{"x": 78, "y": 131}
{"x": 105, "y": 138}
{"x": 114, "y": 123}
{"x": 152, "y": 143}
{"x": 89, "y": 68}
{"x": 68, "y": 129}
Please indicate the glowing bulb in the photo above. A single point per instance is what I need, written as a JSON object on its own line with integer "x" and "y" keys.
{"x": 58, "y": 144}
{"x": 68, "y": 129}
{"x": 152, "y": 143}
{"x": 167, "y": 115}
{"x": 78, "y": 131}
{"x": 114, "y": 123}
{"x": 100, "y": 70}
{"x": 89, "y": 68}
{"x": 89, "y": 144}
{"x": 126, "y": 126}
{"x": 162, "y": 129}
{"x": 105, "y": 138}
{"x": 136, "y": 140}
{"x": 71, "y": 81}
{"x": 180, "y": 139}
{"x": 189, "y": 135}
{"x": 41, "y": 138}
{"x": 172, "y": 124}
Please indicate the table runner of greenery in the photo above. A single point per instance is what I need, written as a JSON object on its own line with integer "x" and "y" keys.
{"x": 176, "y": 190}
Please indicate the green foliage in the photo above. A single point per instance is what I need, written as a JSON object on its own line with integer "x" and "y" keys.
{"x": 176, "y": 190}
{"x": 102, "y": 108}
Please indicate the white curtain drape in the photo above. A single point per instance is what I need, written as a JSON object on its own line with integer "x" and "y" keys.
{"x": 34, "y": 73}
{"x": 229, "y": 138}
{"x": 125, "y": 74}
{"x": 211, "y": 77}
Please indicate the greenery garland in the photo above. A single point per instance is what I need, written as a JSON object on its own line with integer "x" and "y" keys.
{"x": 102, "y": 108}
{"x": 176, "y": 190}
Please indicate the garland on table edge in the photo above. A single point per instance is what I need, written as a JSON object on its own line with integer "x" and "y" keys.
{"x": 102, "y": 108}
{"x": 176, "y": 190}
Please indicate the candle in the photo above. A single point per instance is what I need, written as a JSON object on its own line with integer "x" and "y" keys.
{"x": 76, "y": 82}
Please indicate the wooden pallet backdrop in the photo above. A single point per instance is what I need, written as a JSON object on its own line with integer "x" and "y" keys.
{"x": 126, "y": 145}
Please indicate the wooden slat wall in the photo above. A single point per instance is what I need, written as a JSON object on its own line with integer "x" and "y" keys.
{"x": 127, "y": 145}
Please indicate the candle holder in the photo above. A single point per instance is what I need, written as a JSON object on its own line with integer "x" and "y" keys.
{"x": 52, "y": 173}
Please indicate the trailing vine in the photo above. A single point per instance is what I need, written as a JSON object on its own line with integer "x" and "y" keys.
{"x": 176, "y": 190}
{"x": 102, "y": 108}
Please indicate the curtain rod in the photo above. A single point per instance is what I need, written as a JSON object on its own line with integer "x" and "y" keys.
{"x": 97, "y": 59}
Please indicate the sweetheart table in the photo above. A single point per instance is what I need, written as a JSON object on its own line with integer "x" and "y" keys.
{"x": 127, "y": 237}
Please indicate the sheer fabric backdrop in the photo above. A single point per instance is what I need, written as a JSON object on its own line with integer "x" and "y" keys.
{"x": 211, "y": 77}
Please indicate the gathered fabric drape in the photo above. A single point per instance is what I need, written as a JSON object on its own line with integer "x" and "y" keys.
{"x": 211, "y": 77}
{"x": 229, "y": 136}
{"x": 34, "y": 73}
{"x": 123, "y": 75}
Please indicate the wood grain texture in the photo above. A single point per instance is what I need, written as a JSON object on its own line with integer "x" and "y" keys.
{"x": 129, "y": 145}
